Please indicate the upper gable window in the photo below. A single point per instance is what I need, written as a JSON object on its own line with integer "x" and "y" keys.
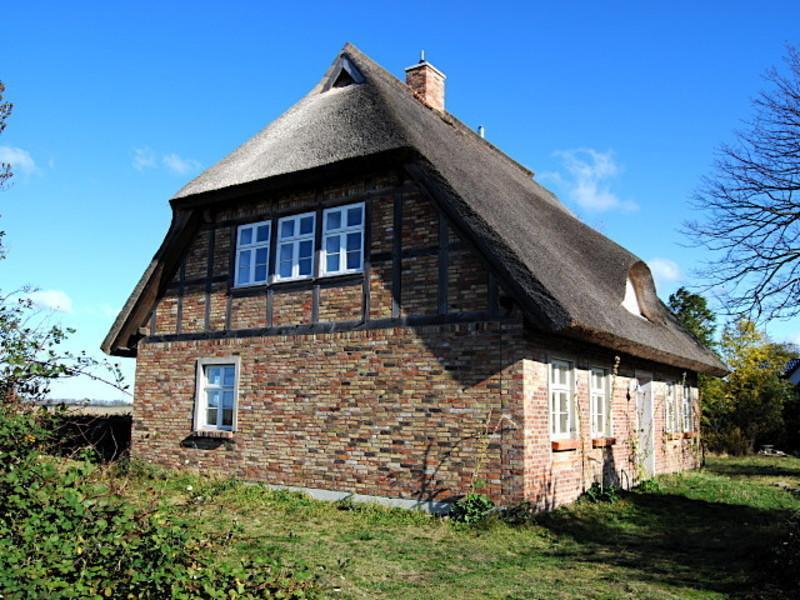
{"x": 252, "y": 253}
{"x": 296, "y": 247}
{"x": 343, "y": 244}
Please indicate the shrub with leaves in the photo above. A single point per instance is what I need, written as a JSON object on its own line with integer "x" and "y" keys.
{"x": 597, "y": 493}
{"x": 471, "y": 509}
{"x": 64, "y": 535}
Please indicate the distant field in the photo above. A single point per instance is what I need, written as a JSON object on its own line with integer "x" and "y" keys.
{"x": 703, "y": 534}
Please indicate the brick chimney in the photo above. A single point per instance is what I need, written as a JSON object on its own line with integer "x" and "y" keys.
{"x": 427, "y": 83}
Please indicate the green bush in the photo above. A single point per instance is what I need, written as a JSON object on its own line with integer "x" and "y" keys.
{"x": 65, "y": 535}
{"x": 598, "y": 493}
{"x": 471, "y": 509}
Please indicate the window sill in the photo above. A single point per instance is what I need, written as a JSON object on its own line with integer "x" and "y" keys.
{"x": 213, "y": 434}
{"x": 603, "y": 442}
{"x": 674, "y": 435}
{"x": 564, "y": 445}
{"x": 687, "y": 435}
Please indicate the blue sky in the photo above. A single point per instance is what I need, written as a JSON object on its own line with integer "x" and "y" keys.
{"x": 617, "y": 107}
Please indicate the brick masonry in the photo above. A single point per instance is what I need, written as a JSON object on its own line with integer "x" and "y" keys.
{"x": 419, "y": 412}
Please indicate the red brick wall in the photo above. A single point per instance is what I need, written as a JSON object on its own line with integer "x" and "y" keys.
{"x": 402, "y": 412}
{"x": 394, "y": 412}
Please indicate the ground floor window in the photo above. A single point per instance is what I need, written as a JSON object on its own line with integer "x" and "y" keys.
{"x": 687, "y": 408}
{"x": 672, "y": 413}
{"x": 562, "y": 409}
{"x": 600, "y": 403}
{"x": 216, "y": 395}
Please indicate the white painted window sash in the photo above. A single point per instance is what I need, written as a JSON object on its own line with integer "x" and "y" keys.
{"x": 295, "y": 241}
{"x": 340, "y": 235}
{"x": 600, "y": 409}
{"x": 203, "y": 387}
{"x": 253, "y": 247}
{"x": 687, "y": 408}
{"x": 558, "y": 391}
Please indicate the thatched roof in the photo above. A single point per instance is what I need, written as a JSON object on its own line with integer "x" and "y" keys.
{"x": 569, "y": 278}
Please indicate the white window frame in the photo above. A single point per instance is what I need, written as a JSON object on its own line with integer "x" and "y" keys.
{"x": 254, "y": 246}
{"x": 602, "y": 393}
{"x": 201, "y": 398}
{"x": 557, "y": 388}
{"x": 686, "y": 409}
{"x": 341, "y": 232}
{"x": 669, "y": 407}
{"x": 295, "y": 240}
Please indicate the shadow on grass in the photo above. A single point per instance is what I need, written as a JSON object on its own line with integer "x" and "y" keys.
{"x": 673, "y": 540}
{"x": 754, "y": 469}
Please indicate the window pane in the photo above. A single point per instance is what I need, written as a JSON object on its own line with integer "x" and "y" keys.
{"x": 353, "y": 241}
{"x": 244, "y": 267}
{"x": 332, "y": 244}
{"x": 354, "y": 216}
{"x": 306, "y": 225}
{"x": 261, "y": 256}
{"x": 305, "y": 266}
{"x": 213, "y": 375}
{"x": 211, "y": 417}
{"x": 227, "y": 417}
{"x": 334, "y": 220}
{"x": 245, "y": 235}
{"x": 332, "y": 263}
{"x": 262, "y": 234}
{"x": 306, "y": 249}
{"x": 213, "y": 398}
{"x": 285, "y": 269}
{"x": 563, "y": 403}
{"x": 287, "y": 229}
{"x": 227, "y": 399}
{"x": 228, "y": 375}
{"x": 563, "y": 423}
{"x": 354, "y": 260}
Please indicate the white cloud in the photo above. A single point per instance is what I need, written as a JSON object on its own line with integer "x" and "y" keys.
{"x": 146, "y": 158}
{"x": 54, "y": 300}
{"x": 665, "y": 272}
{"x": 179, "y": 165}
{"x": 587, "y": 180}
{"x": 20, "y": 160}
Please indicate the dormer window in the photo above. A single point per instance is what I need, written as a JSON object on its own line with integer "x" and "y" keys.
{"x": 631, "y": 300}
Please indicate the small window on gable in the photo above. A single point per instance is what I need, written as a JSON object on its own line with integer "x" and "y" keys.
{"x": 343, "y": 239}
{"x": 295, "y": 247}
{"x": 631, "y": 300}
{"x": 216, "y": 394}
{"x": 252, "y": 254}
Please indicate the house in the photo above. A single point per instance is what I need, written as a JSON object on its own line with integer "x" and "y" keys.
{"x": 369, "y": 298}
{"x": 792, "y": 372}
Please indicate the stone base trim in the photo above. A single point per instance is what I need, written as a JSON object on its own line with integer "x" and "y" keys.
{"x": 430, "y": 506}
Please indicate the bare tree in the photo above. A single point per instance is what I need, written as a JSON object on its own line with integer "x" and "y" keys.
{"x": 751, "y": 208}
{"x": 5, "y": 112}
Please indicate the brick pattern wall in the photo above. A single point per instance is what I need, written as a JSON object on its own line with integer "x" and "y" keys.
{"x": 416, "y": 412}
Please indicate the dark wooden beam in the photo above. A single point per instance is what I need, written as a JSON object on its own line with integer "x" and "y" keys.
{"x": 181, "y": 279}
{"x": 366, "y": 285}
{"x": 333, "y": 327}
{"x": 443, "y": 264}
{"x": 316, "y": 258}
{"x": 397, "y": 249}
{"x": 209, "y": 277}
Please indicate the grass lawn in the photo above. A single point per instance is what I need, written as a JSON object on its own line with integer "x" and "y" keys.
{"x": 702, "y": 534}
